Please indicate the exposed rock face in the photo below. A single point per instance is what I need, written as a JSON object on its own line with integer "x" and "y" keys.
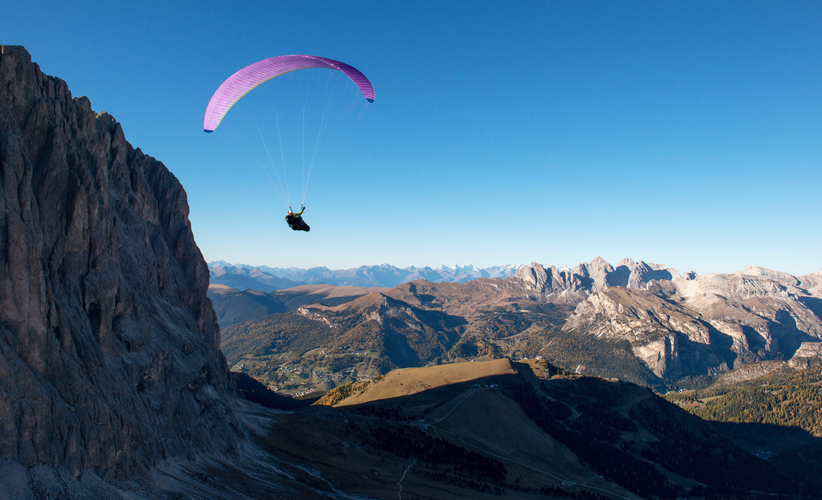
{"x": 690, "y": 325}
{"x": 766, "y": 313}
{"x": 550, "y": 281}
{"x": 669, "y": 338}
{"x": 806, "y": 352}
{"x": 109, "y": 347}
{"x": 749, "y": 372}
{"x": 595, "y": 276}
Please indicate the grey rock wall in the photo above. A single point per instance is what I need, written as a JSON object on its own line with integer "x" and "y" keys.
{"x": 696, "y": 325}
{"x": 109, "y": 347}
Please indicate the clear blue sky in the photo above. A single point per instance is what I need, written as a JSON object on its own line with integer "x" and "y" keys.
{"x": 683, "y": 133}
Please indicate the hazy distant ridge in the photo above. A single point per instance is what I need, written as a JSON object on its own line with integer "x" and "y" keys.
{"x": 385, "y": 275}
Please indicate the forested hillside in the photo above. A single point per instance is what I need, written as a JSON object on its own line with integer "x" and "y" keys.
{"x": 777, "y": 416}
{"x": 785, "y": 397}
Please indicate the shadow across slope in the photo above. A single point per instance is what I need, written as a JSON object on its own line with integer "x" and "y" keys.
{"x": 555, "y": 430}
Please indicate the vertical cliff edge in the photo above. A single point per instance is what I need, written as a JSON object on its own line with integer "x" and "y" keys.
{"x": 109, "y": 347}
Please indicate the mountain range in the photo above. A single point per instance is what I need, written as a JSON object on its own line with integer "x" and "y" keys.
{"x": 273, "y": 278}
{"x": 642, "y": 322}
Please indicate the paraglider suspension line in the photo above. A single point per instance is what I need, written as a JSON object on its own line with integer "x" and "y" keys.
{"x": 303, "y": 177}
{"x": 271, "y": 160}
{"x": 282, "y": 157}
{"x": 314, "y": 154}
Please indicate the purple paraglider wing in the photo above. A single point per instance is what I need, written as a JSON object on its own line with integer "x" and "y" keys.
{"x": 249, "y": 77}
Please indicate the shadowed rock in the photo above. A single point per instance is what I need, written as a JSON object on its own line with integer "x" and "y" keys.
{"x": 109, "y": 347}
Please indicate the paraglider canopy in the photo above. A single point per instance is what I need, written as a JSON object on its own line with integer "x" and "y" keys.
{"x": 291, "y": 116}
{"x": 251, "y": 76}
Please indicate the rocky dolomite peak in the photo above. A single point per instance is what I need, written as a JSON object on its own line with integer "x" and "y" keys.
{"x": 627, "y": 273}
{"x": 534, "y": 276}
{"x": 595, "y": 276}
{"x": 637, "y": 275}
{"x": 687, "y": 276}
{"x": 753, "y": 282}
{"x": 109, "y": 347}
{"x": 670, "y": 339}
{"x": 689, "y": 324}
{"x": 813, "y": 284}
{"x": 547, "y": 280}
{"x": 778, "y": 276}
{"x": 597, "y": 271}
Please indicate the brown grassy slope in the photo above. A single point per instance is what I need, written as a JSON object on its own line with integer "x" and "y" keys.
{"x": 329, "y": 295}
{"x": 407, "y": 381}
{"x": 456, "y": 298}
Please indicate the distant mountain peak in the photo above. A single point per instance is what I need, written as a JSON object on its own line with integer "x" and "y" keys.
{"x": 768, "y": 273}
{"x": 383, "y": 275}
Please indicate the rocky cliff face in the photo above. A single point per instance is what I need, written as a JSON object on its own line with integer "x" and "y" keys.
{"x": 669, "y": 338}
{"x": 690, "y": 325}
{"x": 595, "y": 276}
{"x": 109, "y": 348}
{"x": 678, "y": 324}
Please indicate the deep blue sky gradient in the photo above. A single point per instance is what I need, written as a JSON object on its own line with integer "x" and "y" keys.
{"x": 682, "y": 133}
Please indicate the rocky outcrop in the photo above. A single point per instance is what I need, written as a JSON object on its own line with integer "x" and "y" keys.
{"x": 767, "y": 313}
{"x": 749, "y": 372}
{"x": 692, "y": 325}
{"x": 669, "y": 338}
{"x": 595, "y": 276}
{"x": 109, "y": 347}
{"x": 547, "y": 281}
{"x": 806, "y": 352}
